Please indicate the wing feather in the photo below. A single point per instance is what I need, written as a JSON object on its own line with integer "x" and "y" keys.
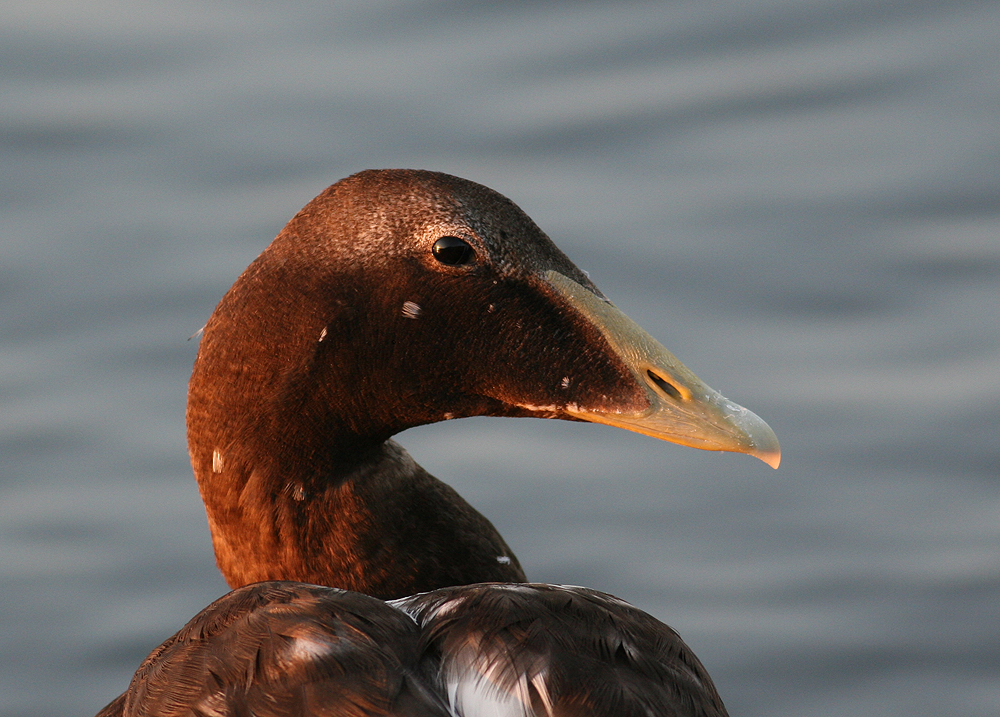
{"x": 544, "y": 650}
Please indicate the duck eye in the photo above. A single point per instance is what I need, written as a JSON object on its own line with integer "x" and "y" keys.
{"x": 452, "y": 251}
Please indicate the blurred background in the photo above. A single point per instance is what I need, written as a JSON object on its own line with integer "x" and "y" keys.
{"x": 800, "y": 198}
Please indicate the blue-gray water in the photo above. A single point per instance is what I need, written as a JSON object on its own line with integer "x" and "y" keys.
{"x": 800, "y": 198}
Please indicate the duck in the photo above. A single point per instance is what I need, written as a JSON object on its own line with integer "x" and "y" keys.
{"x": 362, "y": 585}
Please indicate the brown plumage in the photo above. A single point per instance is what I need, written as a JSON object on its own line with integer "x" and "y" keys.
{"x": 398, "y": 298}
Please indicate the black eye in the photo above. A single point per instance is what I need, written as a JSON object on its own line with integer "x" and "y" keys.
{"x": 452, "y": 251}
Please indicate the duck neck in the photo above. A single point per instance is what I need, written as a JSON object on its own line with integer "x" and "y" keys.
{"x": 296, "y": 493}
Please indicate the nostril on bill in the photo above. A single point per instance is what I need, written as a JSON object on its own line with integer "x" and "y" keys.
{"x": 664, "y": 385}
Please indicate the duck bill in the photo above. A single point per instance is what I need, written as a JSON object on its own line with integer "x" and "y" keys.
{"x": 681, "y": 409}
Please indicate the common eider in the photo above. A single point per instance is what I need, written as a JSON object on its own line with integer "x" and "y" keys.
{"x": 362, "y": 584}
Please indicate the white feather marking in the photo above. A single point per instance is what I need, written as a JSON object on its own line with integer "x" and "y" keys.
{"x": 308, "y": 649}
{"x": 447, "y": 607}
{"x": 514, "y": 588}
{"x": 539, "y": 409}
{"x": 217, "y": 461}
{"x": 542, "y": 688}
{"x": 411, "y": 309}
{"x": 402, "y": 604}
{"x": 503, "y": 559}
{"x": 482, "y": 680}
{"x": 473, "y": 690}
{"x": 322, "y": 334}
{"x": 565, "y": 382}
